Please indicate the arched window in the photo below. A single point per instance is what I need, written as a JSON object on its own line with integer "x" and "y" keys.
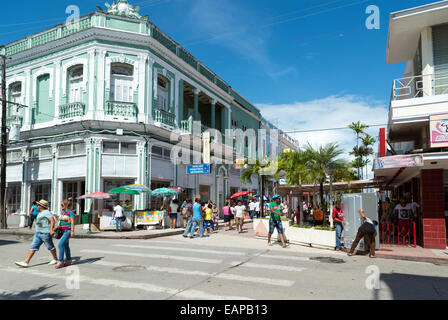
{"x": 15, "y": 95}
{"x": 162, "y": 93}
{"x": 75, "y": 83}
{"x": 122, "y": 77}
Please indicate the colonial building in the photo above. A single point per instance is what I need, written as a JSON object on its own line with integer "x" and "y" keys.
{"x": 107, "y": 99}
{"x": 413, "y": 155}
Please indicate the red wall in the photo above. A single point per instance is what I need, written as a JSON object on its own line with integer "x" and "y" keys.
{"x": 433, "y": 209}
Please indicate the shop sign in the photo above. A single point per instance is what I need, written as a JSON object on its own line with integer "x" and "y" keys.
{"x": 438, "y": 130}
{"x": 405, "y": 161}
{"x": 198, "y": 169}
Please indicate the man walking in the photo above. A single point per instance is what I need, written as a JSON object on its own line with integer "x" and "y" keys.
{"x": 338, "y": 218}
{"x": 240, "y": 212}
{"x": 118, "y": 216}
{"x": 367, "y": 231}
{"x": 44, "y": 232}
{"x": 197, "y": 219}
{"x": 252, "y": 209}
{"x": 275, "y": 220}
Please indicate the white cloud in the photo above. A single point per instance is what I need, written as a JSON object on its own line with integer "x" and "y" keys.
{"x": 331, "y": 112}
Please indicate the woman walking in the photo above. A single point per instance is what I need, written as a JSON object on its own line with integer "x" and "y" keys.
{"x": 67, "y": 224}
{"x": 174, "y": 207}
{"x": 33, "y": 214}
{"x": 215, "y": 211}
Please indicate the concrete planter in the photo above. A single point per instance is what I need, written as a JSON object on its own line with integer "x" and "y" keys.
{"x": 300, "y": 236}
{"x": 261, "y": 228}
{"x": 323, "y": 239}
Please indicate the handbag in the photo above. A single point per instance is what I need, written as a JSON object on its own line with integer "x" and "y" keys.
{"x": 123, "y": 218}
{"x": 59, "y": 233}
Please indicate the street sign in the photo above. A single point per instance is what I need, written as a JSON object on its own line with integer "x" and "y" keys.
{"x": 198, "y": 169}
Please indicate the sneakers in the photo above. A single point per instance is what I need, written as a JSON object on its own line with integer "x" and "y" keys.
{"x": 60, "y": 265}
{"x": 21, "y": 264}
{"x": 52, "y": 262}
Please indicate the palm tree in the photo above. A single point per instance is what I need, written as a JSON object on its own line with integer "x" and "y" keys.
{"x": 324, "y": 161}
{"x": 358, "y": 128}
{"x": 368, "y": 141}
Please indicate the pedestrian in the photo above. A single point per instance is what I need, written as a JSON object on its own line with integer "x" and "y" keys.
{"x": 386, "y": 211}
{"x": 297, "y": 215}
{"x": 118, "y": 216}
{"x": 404, "y": 213}
{"x": 338, "y": 219}
{"x": 215, "y": 211}
{"x": 197, "y": 219}
{"x": 67, "y": 224}
{"x": 252, "y": 206}
{"x": 232, "y": 214}
{"x": 257, "y": 208}
{"x": 240, "y": 213}
{"x": 184, "y": 211}
{"x": 226, "y": 213}
{"x": 208, "y": 218}
{"x": 275, "y": 220}
{"x": 188, "y": 217}
{"x": 44, "y": 232}
{"x": 174, "y": 207}
{"x": 127, "y": 206}
{"x": 367, "y": 231}
{"x": 33, "y": 214}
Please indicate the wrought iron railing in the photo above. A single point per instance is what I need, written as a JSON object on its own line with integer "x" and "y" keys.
{"x": 123, "y": 109}
{"x": 420, "y": 86}
{"x": 71, "y": 110}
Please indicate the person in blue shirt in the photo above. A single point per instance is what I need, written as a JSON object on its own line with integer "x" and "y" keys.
{"x": 198, "y": 214}
{"x": 33, "y": 214}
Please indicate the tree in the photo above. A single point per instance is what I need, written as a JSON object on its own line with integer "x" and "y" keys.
{"x": 359, "y": 129}
{"x": 324, "y": 161}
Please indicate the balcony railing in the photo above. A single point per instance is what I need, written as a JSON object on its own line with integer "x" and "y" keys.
{"x": 15, "y": 119}
{"x": 420, "y": 86}
{"x": 186, "y": 126}
{"x": 164, "y": 117}
{"x": 122, "y": 109}
{"x": 71, "y": 110}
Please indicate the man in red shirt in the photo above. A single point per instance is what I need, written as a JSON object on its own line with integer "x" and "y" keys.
{"x": 338, "y": 219}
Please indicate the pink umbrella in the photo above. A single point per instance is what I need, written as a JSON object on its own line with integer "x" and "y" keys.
{"x": 95, "y": 195}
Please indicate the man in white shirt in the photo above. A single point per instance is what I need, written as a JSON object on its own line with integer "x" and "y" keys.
{"x": 252, "y": 209}
{"x": 257, "y": 208}
{"x": 239, "y": 215}
{"x": 405, "y": 213}
{"x": 118, "y": 216}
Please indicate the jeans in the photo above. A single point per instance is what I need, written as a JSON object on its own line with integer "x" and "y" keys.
{"x": 339, "y": 229}
{"x": 64, "y": 248}
{"x": 197, "y": 222}
{"x": 275, "y": 224}
{"x": 251, "y": 214}
{"x": 118, "y": 222}
{"x": 40, "y": 238}
{"x": 32, "y": 218}
{"x": 189, "y": 225}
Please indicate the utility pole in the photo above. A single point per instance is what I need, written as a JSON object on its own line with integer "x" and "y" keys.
{"x": 3, "y": 224}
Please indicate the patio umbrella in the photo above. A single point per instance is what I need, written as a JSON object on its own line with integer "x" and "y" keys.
{"x": 164, "y": 192}
{"x": 123, "y": 190}
{"x": 95, "y": 195}
{"x": 241, "y": 193}
{"x": 137, "y": 187}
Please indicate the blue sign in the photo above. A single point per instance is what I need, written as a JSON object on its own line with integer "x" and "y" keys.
{"x": 198, "y": 169}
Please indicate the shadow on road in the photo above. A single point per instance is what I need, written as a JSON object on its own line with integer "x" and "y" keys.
{"x": 6, "y": 242}
{"x": 77, "y": 260}
{"x": 413, "y": 287}
{"x": 35, "y": 294}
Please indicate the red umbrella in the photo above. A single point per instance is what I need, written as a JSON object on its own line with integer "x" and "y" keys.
{"x": 241, "y": 193}
{"x": 96, "y": 195}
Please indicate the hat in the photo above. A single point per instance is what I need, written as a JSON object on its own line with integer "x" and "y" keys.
{"x": 275, "y": 196}
{"x": 43, "y": 203}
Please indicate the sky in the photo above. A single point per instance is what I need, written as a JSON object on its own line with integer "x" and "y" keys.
{"x": 306, "y": 64}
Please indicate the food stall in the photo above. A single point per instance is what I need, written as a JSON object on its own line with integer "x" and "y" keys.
{"x": 107, "y": 223}
{"x": 149, "y": 219}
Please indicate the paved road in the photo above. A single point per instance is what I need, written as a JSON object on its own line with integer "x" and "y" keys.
{"x": 222, "y": 266}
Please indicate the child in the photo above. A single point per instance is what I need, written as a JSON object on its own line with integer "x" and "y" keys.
{"x": 208, "y": 218}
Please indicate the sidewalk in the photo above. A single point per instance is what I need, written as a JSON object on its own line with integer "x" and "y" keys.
{"x": 412, "y": 254}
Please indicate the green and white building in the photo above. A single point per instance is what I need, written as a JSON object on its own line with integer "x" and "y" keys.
{"x": 105, "y": 95}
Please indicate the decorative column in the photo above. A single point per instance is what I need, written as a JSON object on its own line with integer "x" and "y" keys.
{"x": 91, "y": 74}
{"x": 213, "y": 124}
{"x": 427, "y": 61}
{"x": 180, "y": 112}
{"x": 141, "y": 87}
{"x": 99, "y": 111}
{"x": 93, "y": 168}
{"x": 57, "y": 93}
{"x": 54, "y": 179}
{"x": 196, "y": 105}
{"x": 150, "y": 91}
{"x": 28, "y": 91}
{"x": 142, "y": 178}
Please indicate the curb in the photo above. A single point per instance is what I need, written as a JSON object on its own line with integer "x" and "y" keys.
{"x": 415, "y": 259}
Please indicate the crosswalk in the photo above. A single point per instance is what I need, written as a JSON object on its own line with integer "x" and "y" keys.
{"x": 213, "y": 270}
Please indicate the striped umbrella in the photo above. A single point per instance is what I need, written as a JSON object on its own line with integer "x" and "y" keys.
{"x": 164, "y": 192}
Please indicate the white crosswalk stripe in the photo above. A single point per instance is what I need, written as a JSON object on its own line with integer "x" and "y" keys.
{"x": 267, "y": 266}
{"x": 187, "y": 294}
{"x": 225, "y": 276}
{"x": 154, "y": 256}
{"x": 233, "y": 253}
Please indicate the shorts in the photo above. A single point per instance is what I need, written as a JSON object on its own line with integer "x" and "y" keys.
{"x": 226, "y": 218}
{"x": 208, "y": 224}
{"x": 275, "y": 224}
{"x": 40, "y": 238}
{"x": 173, "y": 216}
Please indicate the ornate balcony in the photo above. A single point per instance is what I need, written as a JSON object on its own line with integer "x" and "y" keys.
{"x": 14, "y": 119}
{"x": 164, "y": 117}
{"x": 71, "y": 110}
{"x": 122, "y": 109}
